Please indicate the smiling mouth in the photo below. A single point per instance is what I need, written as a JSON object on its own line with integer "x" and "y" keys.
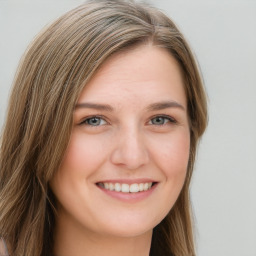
{"x": 126, "y": 188}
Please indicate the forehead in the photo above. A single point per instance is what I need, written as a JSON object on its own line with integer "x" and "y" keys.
{"x": 144, "y": 73}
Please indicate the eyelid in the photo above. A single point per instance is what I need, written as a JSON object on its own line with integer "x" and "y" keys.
{"x": 83, "y": 122}
{"x": 170, "y": 118}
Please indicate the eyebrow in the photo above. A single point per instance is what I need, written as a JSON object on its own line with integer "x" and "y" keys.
{"x": 152, "y": 107}
{"x": 165, "y": 104}
{"x": 96, "y": 106}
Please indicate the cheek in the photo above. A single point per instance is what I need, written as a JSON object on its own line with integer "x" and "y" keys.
{"x": 83, "y": 157}
{"x": 84, "y": 154}
{"x": 171, "y": 154}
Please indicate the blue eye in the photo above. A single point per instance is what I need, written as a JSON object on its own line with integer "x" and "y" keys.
{"x": 161, "y": 120}
{"x": 94, "y": 121}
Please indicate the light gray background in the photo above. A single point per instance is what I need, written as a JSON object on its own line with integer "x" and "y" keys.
{"x": 222, "y": 34}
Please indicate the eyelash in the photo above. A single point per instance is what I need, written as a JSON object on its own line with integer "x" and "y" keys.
{"x": 167, "y": 119}
{"x": 86, "y": 120}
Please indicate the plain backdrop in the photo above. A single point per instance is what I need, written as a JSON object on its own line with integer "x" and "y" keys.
{"x": 222, "y": 34}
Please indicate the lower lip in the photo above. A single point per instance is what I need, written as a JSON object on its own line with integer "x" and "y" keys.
{"x": 129, "y": 197}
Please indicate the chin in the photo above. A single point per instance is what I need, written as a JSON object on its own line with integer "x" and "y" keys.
{"x": 129, "y": 227}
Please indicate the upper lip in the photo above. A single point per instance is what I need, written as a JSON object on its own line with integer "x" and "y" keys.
{"x": 128, "y": 181}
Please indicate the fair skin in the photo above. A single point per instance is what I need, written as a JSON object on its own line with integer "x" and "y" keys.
{"x": 130, "y": 128}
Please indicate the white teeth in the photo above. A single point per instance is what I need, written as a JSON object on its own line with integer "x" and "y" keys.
{"x": 141, "y": 186}
{"x": 125, "y": 188}
{"x": 146, "y": 186}
{"x": 134, "y": 188}
{"x": 117, "y": 187}
{"x": 111, "y": 186}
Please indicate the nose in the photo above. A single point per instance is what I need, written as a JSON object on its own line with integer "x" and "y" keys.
{"x": 130, "y": 150}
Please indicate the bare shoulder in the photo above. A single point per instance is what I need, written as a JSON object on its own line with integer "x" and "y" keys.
{"x": 3, "y": 248}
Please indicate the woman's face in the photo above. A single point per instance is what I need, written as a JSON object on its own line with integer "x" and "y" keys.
{"x": 130, "y": 133}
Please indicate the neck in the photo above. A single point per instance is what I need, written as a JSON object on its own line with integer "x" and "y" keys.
{"x": 69, "y": 240}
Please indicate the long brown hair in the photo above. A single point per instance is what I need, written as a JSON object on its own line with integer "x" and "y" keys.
{"x": 50, "y": 77}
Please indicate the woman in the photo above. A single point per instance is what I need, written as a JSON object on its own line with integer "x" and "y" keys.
{"x": 101, "y": 134}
